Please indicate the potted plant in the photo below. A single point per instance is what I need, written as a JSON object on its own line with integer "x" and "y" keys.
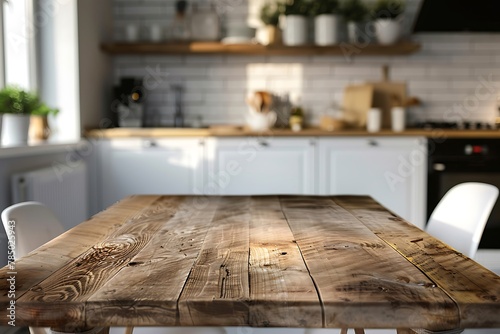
{"x": 296, "y": 12}
{"x": 387, "y": 14}
{"x": 355, "y": 13}
{"x": 17, "y": 106}
{"x": 327, "y": 20}
{"x": 270, "y": 16}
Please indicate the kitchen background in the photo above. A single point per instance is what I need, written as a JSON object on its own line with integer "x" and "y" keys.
{"x": 453, "y": 74}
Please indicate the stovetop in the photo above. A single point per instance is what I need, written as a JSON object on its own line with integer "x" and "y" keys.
{"x": 429, "y": 125}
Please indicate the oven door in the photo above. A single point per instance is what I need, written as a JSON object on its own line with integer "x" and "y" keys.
{"x": 444, "y": 174}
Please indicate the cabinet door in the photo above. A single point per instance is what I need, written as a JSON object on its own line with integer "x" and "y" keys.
{"x": 391, "y": 170}
{"x": 150, "y": 166}
{"x": 253, "y": 166}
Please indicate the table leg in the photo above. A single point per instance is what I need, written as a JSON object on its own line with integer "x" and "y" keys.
{"x": 405, "y": 331}
{"x": 129, "y": 330}
{"x": 343, "y": 331}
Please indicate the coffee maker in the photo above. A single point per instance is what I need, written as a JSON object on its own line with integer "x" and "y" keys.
{"x": 129, "y": 103}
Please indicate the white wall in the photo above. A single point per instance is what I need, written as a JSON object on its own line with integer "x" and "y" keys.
{"x": 95, "y": 67}
{"x": 447, "y": 71}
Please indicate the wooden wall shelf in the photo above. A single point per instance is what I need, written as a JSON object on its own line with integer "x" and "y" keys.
{"x": 216, "y": 48}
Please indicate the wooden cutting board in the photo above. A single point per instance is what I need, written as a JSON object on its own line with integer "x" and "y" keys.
{"x": 356, "y": 103}
{"x": 388, "y": 94}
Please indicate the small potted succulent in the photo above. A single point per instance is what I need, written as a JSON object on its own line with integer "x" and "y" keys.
{"x": 296, "y": 13}
{"x": 270, "y": 16}
{"x": 355, "y": 13}
{"x": 387, "y": 15}
{"x": 327, "y": 22}
{"x": 18, "y": 107}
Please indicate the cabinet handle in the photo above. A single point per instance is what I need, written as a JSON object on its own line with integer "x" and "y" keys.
{"x": 373, "y": 143}
{"x": 263, "y": 144}
{"x": 150, "y": 143}
{"x": 201, "y": 142}
{"x": 439, "y": 167}
{"x": 312, "y": 143}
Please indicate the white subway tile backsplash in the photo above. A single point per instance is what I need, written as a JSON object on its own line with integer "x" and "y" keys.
{"x": 445, "y": 72}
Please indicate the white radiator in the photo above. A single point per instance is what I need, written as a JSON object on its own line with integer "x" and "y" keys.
{"x": 65, "y": 192}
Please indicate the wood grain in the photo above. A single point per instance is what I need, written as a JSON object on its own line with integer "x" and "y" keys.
{"x": 474, "y": 289}
{"x": 301, "y": 261}
{"x": 217, "y": 290}
{"x": 47, "y": 259}
{"x": 62, "y": 295}
{"x": 361, "y": 281}
{"x": 281, "y": 289}
{"x": 166, "y": 262}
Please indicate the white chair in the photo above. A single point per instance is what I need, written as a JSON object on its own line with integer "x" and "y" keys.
{"x": 34, "y": 225}
{"x": 460, "y": 216}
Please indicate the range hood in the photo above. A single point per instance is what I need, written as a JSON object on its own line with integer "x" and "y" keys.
{"x": 458, "y": 16}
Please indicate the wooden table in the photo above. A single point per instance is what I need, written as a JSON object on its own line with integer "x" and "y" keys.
{"x": 286, "y": 261}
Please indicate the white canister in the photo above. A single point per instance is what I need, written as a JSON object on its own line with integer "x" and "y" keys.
{"x": 155, "y": 33}
{"x": 398, "y": 119}
{"x": 327, "y": 29}
{"x": 374, "y": 120}
{"x": 132, "y": 32}
{"x": 295, "y": 30}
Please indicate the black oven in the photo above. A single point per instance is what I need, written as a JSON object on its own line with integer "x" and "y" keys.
{"x": 454, "y": 161}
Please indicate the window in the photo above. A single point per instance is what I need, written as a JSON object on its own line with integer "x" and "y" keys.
{"x": 19, "y": 50}
{"x": 40, "y": 53}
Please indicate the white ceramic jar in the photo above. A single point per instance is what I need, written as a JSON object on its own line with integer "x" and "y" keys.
{"x": 374, "y": 120}
{"x": 295, "y": 32}
{"x": 327, "y": 29}
{"x": 398, "y": 119}
{"x": 15, "y": 129}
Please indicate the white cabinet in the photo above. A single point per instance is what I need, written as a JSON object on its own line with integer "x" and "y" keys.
{"x": 267, "y": 165}
{"x": 150, "y": 166}
{"x": 391, "y": 170}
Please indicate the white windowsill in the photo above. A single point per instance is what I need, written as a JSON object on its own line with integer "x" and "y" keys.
{"x": 39, "y": 148}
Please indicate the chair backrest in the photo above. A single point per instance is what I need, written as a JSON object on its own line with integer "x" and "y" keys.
{"x": 461, "y": 215}
{"x": 33, "y": 223}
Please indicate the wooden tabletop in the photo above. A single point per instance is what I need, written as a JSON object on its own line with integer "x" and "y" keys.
{"x": 287, "y": 261}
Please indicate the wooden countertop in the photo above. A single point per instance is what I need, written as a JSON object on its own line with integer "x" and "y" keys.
{"x": 309, "y": 132}
{"x": 278, "y": 261}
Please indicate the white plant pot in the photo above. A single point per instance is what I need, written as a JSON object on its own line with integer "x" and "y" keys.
{"x": 295, "y": 30}
{"x": 387, "y": 31}
{"x": 15, "y": 129}
{"x": 327, "y": 29}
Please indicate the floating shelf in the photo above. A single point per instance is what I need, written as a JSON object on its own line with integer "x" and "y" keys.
{"x": 216, "y": 48}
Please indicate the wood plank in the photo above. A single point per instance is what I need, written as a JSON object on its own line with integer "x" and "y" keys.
{"x": 217, "y": 290}
{"x": 48, "y": 258}
{"x": 475, "y": 289}
{"x": 344, "y": 49}
{"x": 62, "y": 296}
{"x": 360, "y": 279}
{"x": 281, "y": 289}
{"x": 186, "y": 132}
{"x": 151, "y": 284}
